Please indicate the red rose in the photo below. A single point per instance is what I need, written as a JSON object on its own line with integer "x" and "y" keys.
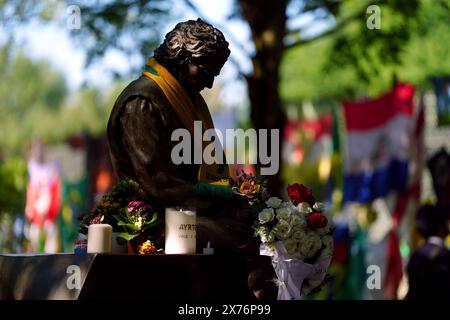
{"x": 317, "y": 220}
{"x": 300, "y": 193}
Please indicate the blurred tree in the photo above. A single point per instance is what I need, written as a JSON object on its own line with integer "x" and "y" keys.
{"x": 275, "y": 28}
{"x": 37, "y": 104}
{"x": 28, "y": 88}
{"x": 333, "y": 75}
{"x": 315, "y": 81}
{"x": 429, "y": 49}
{"x": 133, "y": 27}
{"x": 13, "y": 182}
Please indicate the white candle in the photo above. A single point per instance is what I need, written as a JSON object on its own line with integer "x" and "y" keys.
{"x": 208, "y": 250}
{"x": 180, "y": 231}
{"x": 99, "y": 238}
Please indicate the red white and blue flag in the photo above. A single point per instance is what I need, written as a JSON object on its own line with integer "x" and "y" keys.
{"x": 378, "y": 134}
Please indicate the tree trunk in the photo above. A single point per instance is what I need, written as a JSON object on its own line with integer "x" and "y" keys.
{"x": 267, "y": 21}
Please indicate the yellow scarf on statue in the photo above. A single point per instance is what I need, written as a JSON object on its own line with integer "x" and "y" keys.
{"x": 187, "y": 113}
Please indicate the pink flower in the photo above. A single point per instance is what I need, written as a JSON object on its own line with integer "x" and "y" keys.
{"x": 96, "y": 220}
{"x": 138, "y": 205}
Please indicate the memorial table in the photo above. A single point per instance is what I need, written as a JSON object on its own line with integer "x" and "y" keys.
{"x": 161, "y": 277}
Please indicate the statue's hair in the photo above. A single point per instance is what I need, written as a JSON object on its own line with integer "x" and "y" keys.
{"x": 191, "y": 40}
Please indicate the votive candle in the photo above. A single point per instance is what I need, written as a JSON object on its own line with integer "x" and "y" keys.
{"x": 99, "y": 238}
{"x": 180, "y": 231}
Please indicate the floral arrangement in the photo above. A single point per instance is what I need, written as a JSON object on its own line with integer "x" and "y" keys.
{"x": 298, "y": 237}
{"x": 253, "y": 189}
{"x": 111, "y": 204}
{"x": 124, "y": 209}
{"x": 137, "y": 219}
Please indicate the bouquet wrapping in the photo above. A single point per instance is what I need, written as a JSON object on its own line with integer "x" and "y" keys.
{"x": 298, "y": 237}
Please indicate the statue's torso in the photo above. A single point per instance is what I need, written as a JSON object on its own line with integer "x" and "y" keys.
{"x": 139, "y": 94}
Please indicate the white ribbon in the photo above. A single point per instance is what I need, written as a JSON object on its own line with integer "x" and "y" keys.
{"x": 291, "y": 273}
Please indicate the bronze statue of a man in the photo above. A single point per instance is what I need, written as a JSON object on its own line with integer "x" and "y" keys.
{"x": 165, "y": 98}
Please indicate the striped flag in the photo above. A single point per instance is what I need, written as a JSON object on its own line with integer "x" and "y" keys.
{"x": 378, "y": 140}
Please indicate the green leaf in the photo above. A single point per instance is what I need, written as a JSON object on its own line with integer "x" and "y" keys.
{"x": 154, "y": 217}
{"x": 131, "y": 226}
{"x": 127, "y": 236}
{"x": 120, "y": 240}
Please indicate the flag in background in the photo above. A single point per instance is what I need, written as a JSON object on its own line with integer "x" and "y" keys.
{"x": 378, "y": 135}
{"x": 43, "y": 203}
{"x": 336, "y": 179}
{"x": 402, "y": 237}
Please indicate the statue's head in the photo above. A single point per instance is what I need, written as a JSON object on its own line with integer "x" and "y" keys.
{"x": 194, "y": 52}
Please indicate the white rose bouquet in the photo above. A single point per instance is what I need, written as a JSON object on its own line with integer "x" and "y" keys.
{"x": 298, "y": 237}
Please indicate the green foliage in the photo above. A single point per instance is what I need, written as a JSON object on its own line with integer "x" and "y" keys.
{"x": 111, "y": 24}
{"x": 358, "y": 61}
{"x": 111, "y": 204}
{"x": 37, "y": 104}
{"x": 372, "y": 50}
{"x": 27, "y": 85}
{"x": 123, "y": 208}
{"x": 28, "y": 89}
{"x": 303, "y": 74}
{"x": 136, "y": 222}
{"x": 91, "y": 110}
{"x": 133, "y": 27}
{"x": 13, "y": 182}
{"x": 428, "y": 51}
